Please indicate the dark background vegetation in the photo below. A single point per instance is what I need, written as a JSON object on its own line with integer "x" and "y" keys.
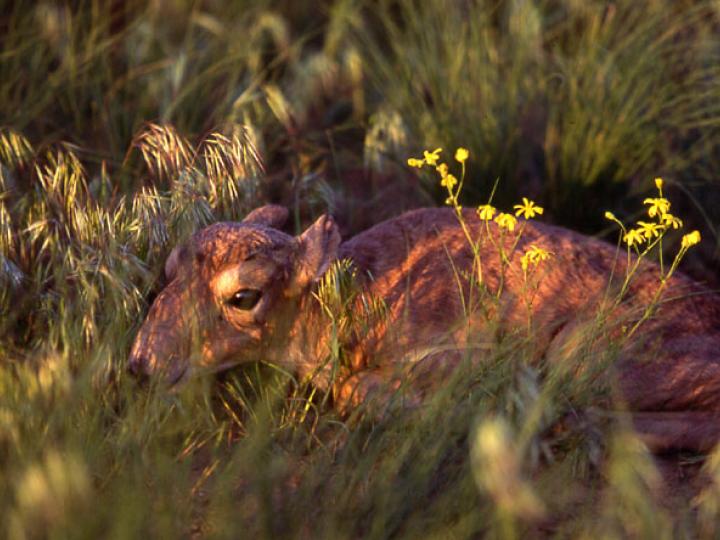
{"x": 128, "y": 125}
{"x": 577, "y": 104}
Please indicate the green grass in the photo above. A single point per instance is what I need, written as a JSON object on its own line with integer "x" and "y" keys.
{"x": 126, "y": 128}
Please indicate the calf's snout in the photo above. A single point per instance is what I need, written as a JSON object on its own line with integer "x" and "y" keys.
{"x": 160, "y": 343}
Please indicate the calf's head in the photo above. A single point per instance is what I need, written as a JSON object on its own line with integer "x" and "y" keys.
{"x": 233, "y": 295}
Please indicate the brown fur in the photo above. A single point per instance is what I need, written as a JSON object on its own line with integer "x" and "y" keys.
{"x": 418, "y": 264}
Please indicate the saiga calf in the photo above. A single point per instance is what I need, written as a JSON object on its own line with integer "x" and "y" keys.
{"x": 242, "y": 292}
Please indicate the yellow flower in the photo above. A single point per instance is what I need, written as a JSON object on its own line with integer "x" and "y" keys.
{"x": 486, "y": 212}
{"x": 534, "y": 255}
{"x": 659, "y": 183}
{"x": 668, "y": 220}
{"x": 539, "y": 254}
{"x": 461, "y": 154}
{"x": 528, "y": 209}
{"x": 506, "y": 221}
{"x": 449, "y": 181}
{"x": 442, "y": 169}
{"x": 525, "y": 261}
{"x": 650, "y": 230}
{"x": 658, "y": 206}
{"x": 690, "y": 239}
{"x": 634, "y": 236}
{"x": 609, "y": 215}
{"x": 431, "y": 158}
{"x": 413, "y": 162}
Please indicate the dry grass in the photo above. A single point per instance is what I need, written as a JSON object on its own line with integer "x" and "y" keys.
{"x": 130, "y": 125}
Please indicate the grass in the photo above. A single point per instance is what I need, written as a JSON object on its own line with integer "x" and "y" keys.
{"x": 126, "y": 126}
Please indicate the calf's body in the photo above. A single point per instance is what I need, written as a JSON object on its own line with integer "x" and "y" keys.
{"x": 242, "y": 292}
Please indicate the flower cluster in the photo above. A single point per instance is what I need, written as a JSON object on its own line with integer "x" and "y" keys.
{"x": 528, "y": 209}
{"x": 429, "y": 158}
{"x": 534, "y": 256}
{"x": 642, "y": 237}
{"x": 485, "y": 212}
{"x": 658, "y": 210}
{"x": 447, "y": 180}
{"x": 690, "y": 239}
{"x": 506, "y": 221}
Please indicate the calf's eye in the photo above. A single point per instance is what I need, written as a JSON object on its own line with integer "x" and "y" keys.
{"x": 245, "y": 299}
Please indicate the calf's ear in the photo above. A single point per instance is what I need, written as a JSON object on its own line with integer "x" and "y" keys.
{"x": 175, "y": 260}
{"x": 270, "y": 215}
{"x": 317, "y": 248}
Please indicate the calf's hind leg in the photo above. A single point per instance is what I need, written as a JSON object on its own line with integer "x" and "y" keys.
{"x": 680, "y": 374}
{"x": 663, "y": 432}
{"x": 674, "y": 394}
